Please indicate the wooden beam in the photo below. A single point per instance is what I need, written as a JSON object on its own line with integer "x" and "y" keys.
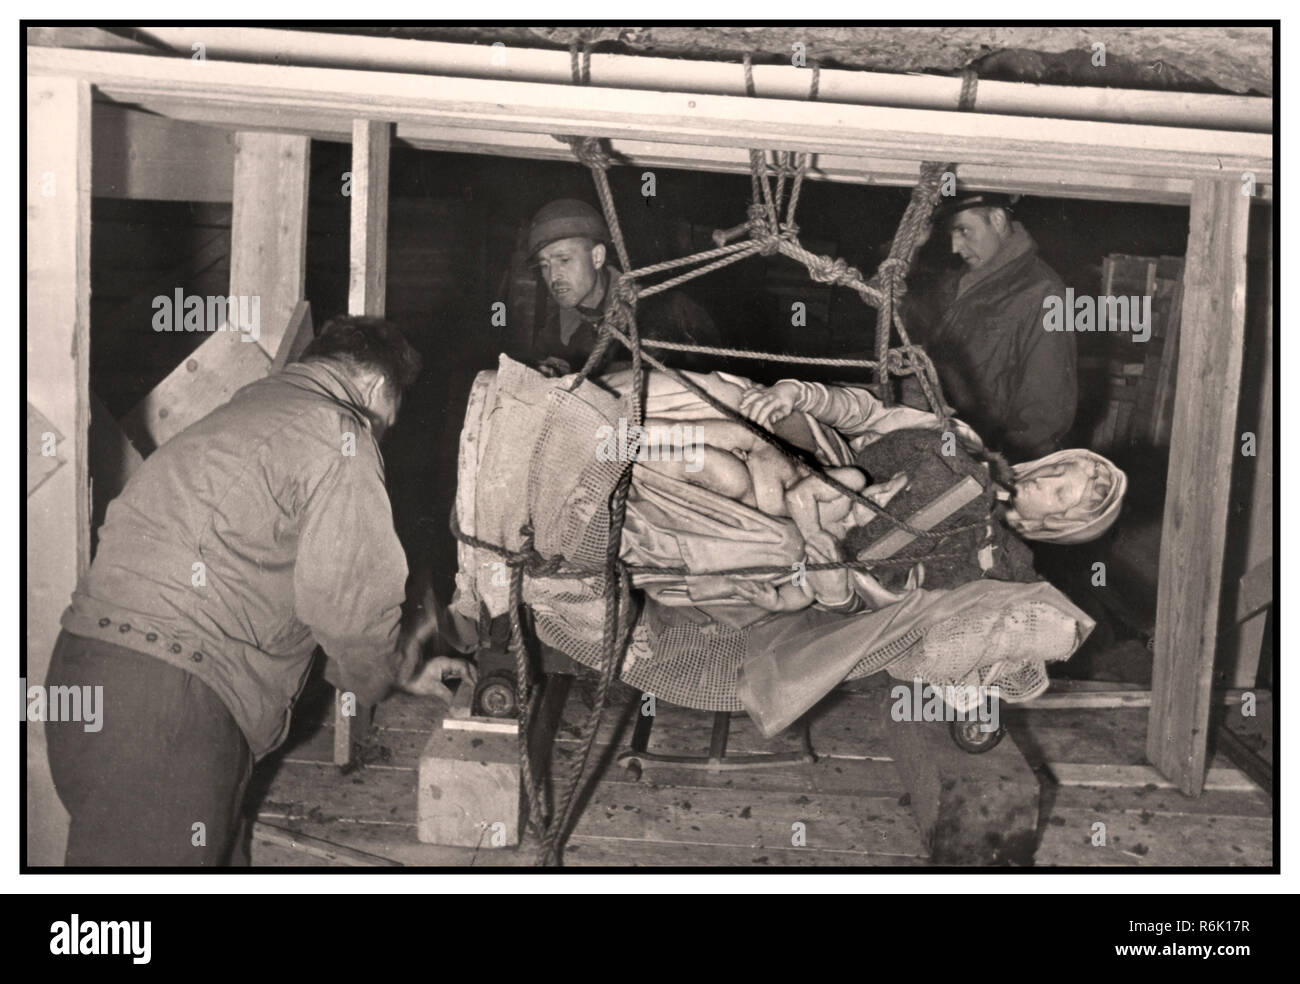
{"x": 1248, "y": 637}
{"x": 691, "y": 118}
{"x": 268, "y": 227}
{"x": 1075, "y": 774}
{"x": 1204, "y": 445}
{"x": 722, "y": 78}
{"x": 1103, "y": 699}
{"x": 57, "y": 339}
{"x": 367, "y": 284}
{"x": 225, "y": 362}
{"x": 138, "y": 155}
{"x": 368, "y": 244}
{"x": 871, "y": 170}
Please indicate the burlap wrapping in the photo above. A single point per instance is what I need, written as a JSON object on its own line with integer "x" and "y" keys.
{"x": 528, "y": 455}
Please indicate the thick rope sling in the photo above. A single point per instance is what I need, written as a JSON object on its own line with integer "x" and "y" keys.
{"x": 767, "y": 236}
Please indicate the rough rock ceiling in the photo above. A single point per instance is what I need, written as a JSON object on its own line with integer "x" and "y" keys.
{"x": 1189, "y": 59}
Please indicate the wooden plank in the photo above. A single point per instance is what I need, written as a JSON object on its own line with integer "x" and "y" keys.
{"x": 57, "y": 339}
{"x": 1248, "y": 638}
{"x": 1204, "y": 444}
{"x": 751, "y": 819}
{"x": 313, "y": 850}
{"x": 1100, "y": 699}
{"x": 1058, "y": 182}
{"x": 368, "y": 242}
{"x": 1155, "y": 841}
{"x": 268, "y": 227}
{"x": 139, "y": 155}
{"x": 1162, "y": 414}
{"x": 223, "y": 364}
{"x": 1158, "y": 151}
{"x": 1160, "y": 801}
{"x": 367, "y": 266}
{"x": 1083, "y": 774}
{"x": 925, "y": 518}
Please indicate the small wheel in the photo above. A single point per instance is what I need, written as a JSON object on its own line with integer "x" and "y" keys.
{"x": 495, "y": 695}
{"x": 971, "y": 737}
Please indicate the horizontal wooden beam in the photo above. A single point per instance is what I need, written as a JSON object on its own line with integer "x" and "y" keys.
{"x": 679, "y": 118}
{"x": 140, "y": 155}
{"x": 720, "y": 78}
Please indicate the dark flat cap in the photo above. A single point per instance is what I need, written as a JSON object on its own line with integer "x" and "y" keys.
{"x": 950, "y": 206}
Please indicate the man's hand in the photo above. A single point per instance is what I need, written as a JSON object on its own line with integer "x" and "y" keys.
{"x": 427, "y": 681}
{"x": 770, "y": 404}
{"x": 552, "y": 367}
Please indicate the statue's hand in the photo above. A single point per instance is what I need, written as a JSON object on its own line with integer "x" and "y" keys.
{"x": 766, "y": 405}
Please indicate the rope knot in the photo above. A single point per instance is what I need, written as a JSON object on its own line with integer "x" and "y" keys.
{"x": 591, "y": 152}
{"x": 893, "y": 274}
{"x": 827, "y": 271}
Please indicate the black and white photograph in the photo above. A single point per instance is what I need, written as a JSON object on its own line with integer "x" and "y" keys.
{"x": 728, "y": 446}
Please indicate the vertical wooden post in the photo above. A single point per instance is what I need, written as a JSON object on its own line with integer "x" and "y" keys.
{"x": 1249, "y": 635}
{"x": 268, "y": 228}
{"x": 367, "y": 283}
{"x": 368, "y": 251}
{"x": 58, "y": 387}
{"x": 1204, "y": 443}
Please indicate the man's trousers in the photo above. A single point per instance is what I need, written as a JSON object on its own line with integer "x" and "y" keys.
{"x": 161, "y": 783}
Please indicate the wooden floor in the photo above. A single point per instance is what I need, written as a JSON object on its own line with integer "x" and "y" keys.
{"x": 851, "y": 802}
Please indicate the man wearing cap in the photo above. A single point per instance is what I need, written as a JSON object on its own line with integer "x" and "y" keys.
{"x": 568, "y": 241}
{"x": 1014, "y": 381}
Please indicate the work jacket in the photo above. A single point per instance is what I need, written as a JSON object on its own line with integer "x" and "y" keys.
{"x": 257, "y": 532}
{"x": 1014, "y": 381}
{"x": 571, "y": 333}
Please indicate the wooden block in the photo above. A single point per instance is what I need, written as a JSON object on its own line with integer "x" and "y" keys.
{"x": 976, "y": 810}
{"x": 469, "y": 788}
{"x": 925, "y": 518}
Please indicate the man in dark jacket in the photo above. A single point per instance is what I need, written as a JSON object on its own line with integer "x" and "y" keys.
{"x": 1014, "y": 381}
{"x": 247, "y": 539}
{"x": 568, "y": 240}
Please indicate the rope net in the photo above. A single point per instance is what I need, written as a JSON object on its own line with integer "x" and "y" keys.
{"x": 766, "y": 231}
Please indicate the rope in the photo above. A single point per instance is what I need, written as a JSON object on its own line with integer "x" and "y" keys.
{"x": 969, "y": 81}
{"x": 516, "y": 560}
{"x": 767, "y": 236}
